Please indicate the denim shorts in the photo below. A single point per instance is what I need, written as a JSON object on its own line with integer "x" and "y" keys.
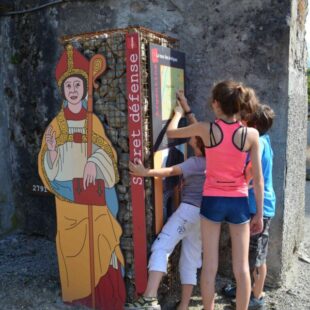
{"x": 233, "y": 210}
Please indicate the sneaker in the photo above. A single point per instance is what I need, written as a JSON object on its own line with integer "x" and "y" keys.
{"x": 229, "y": 291}
{"x": 256, "y": 303}
{"x": 144, "y": 303}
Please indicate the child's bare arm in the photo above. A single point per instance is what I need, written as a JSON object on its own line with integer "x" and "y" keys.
{"x": 187, "y": 110}
{"x": 258, "y": 181}
{"x": 196, "y": 129}
{"x": 139, "y": 170}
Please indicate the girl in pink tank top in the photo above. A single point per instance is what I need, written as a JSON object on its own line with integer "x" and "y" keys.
{"x": 225, "y": 190}
{"x": 226, "y": 163}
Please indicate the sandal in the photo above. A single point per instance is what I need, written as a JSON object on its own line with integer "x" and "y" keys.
{"x": 144, "y": 303}
{"x": 229, "y": 291}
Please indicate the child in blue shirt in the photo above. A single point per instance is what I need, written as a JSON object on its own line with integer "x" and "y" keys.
{"x": 262, "y": 120}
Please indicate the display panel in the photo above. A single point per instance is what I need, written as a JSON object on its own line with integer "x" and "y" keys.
{"x": 167, "y": 71}
{"x": 167, "y": 76}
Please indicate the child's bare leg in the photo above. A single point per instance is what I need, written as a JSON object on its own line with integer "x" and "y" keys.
{"x": 187, "y": 290}
{"x": 210, "y": 235}
{"x": 153, "y": 283}
{"x": 259, "y": 276}
{"x": 240, "y": 238}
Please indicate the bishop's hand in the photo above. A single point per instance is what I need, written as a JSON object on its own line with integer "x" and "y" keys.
{"x": 89, "y": 174}
{"x": 50, "y": 138}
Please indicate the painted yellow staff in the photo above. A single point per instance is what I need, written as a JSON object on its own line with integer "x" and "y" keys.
{"x": 96, "y": 68}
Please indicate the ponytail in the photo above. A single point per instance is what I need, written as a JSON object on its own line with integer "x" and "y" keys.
{"x": 230, "y": 95}
{"x": 249, "y": 105}
{"x": 234, "y": 98}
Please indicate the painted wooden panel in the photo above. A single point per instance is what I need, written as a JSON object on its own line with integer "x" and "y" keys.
{"x": 78, "y": 164}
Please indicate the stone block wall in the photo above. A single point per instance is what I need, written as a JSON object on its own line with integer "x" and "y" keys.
{"x": 293, "y": 212}
{"x": 7, "y": 210}
{"x": 260, "y": 42}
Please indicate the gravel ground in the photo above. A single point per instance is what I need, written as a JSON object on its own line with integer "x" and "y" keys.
{"x": 29, "y": 277}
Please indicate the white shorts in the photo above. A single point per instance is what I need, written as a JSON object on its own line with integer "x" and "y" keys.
{"x": 183, "y": 224}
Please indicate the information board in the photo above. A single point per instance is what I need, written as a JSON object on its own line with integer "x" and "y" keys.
{"x": 167, "y": 76}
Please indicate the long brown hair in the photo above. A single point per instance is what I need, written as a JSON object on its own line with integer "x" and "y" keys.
{"x": 234, "y": 98}
{"x": 200, "y": 145}
{"x": 249, "y": 105}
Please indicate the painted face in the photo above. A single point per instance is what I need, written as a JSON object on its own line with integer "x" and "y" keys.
{"x": 74, "y": 89}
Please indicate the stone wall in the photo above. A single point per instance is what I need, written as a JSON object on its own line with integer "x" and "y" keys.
{"x": 7, "y": 217}
{"x": 295, "y": 169}
{"x": 260, "y": 42}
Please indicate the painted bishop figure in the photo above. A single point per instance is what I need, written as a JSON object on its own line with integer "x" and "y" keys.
{"x": 78, "y": 164}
